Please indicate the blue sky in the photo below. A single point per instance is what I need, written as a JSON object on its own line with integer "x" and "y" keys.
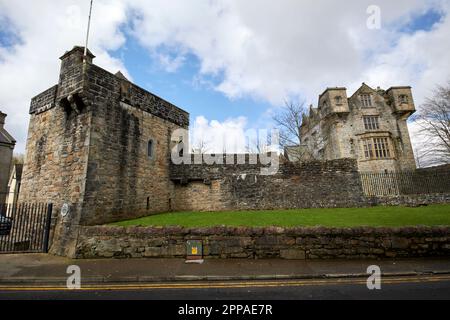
{"x": 423, "y": 21}
{"x": 199, "y": 96}
{"x": 184, "y": 88}
{"x": 229, "y": 63}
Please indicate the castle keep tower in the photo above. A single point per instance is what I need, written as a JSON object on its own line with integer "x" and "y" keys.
{"x": 370, "y": 126}
{"x": 99, "y": 144}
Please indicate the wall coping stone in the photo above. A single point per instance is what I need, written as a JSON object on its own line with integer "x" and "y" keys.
{"x": 244, "y": 231}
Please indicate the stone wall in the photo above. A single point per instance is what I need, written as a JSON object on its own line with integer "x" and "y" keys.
{"x": 240, "y": 187}
{"x": 87, "y": 147}
{"x": 55, "y": 168}
{"x": 44, "y": 101}
{"x": 262, "y": 243}
{"x": 122, "y": 180}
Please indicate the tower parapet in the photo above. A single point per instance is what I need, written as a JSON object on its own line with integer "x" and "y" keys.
{"x": 401, "y": 100}
{"x": 333, "y": 100}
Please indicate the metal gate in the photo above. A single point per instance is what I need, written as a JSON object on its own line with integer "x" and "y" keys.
{"x": 25, "y": 228}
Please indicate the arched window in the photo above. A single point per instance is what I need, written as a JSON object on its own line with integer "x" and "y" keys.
{"x": 151, "y": 149}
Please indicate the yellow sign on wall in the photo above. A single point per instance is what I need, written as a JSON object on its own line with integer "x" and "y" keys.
{"x": 194, "y": 248}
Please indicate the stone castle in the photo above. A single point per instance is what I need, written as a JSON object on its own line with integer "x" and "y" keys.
{"x": 370, "y": 126}
{"x": 100, "y": 146}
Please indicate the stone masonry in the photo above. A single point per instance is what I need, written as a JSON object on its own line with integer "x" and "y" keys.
{"x": 88, "y": 147}
{"x": 264, "y": 243}
{"x": 320, "y": 184}
{"x": 102, "y": 146}
{"x": 370, "y": 126}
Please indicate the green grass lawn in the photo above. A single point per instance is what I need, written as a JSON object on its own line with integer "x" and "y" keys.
{"x": 345, "y": 217}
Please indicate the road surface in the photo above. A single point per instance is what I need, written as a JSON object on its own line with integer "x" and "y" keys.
{"x": 413, "y": 287}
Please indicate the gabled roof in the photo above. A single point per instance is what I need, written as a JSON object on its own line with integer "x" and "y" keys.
{"x": 5, "y": 137}
{"x": 364, "y": 89}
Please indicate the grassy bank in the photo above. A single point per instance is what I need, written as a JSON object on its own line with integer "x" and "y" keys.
{"x": 342, "y": 217}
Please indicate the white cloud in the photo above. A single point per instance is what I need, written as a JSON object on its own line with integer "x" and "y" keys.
{"x": 266, "y": 49}
{"x": 271, "y": 49}
{"x": 46, "y": 29}
{"x": 217, "y": 137}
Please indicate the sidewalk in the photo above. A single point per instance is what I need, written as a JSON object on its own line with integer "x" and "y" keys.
{"x": 47, "y": 269}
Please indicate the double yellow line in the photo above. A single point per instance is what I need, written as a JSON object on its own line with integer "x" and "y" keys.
{"x": 232, "y": 284}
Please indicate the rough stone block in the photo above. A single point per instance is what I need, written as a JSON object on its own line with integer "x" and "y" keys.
{"x": 293, "y": 254}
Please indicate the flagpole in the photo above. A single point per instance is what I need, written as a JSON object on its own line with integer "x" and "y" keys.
{"x": 88, "y": 30}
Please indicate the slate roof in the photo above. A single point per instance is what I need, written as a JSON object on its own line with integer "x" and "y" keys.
{"x": 5, "y": 137}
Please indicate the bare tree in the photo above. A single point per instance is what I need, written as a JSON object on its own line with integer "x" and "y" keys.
{"x": 289, "y": 123}
{"x": 200, "y": 147}
{"x": 255, "y": 144}
{"x": 434, "y": 122}
{"x": 18, "y": 158}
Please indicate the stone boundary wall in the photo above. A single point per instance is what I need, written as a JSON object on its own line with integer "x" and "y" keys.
{"x": 241, "y": 187}
{"x": 263, "y": 243}
{"x": 316, "y": 184}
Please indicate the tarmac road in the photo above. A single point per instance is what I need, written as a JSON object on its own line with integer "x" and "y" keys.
{"x": 436, "y": 287}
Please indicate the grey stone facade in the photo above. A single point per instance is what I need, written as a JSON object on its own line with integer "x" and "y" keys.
{"x": 7, "y": 144}
{"x": 370, "y": 126}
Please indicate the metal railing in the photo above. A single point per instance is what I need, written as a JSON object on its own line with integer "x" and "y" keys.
{"x": 405, "y": 183}
{"x": 25, "y": 227}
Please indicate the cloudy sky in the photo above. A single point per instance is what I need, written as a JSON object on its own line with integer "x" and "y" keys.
{"x": 230, "y": 63}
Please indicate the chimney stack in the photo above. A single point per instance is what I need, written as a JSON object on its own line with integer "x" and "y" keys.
{"x": 2, "y": 119}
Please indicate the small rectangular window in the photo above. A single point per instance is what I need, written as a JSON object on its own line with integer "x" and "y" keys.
{"x": 403, "y": 99}
{"x": 150, "y": 147}
{"x": 366, "y": 100}
{"x": 371, "y": 123}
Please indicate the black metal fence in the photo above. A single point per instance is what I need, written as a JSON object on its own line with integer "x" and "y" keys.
{"x": 406, "y": 183}
{"x": 25, "y": 227}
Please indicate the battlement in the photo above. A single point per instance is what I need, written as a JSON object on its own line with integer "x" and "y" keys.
{"x": 44, "y": 101}
{"x": 81, "y": 82}
{"x": 98, "y": 79}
